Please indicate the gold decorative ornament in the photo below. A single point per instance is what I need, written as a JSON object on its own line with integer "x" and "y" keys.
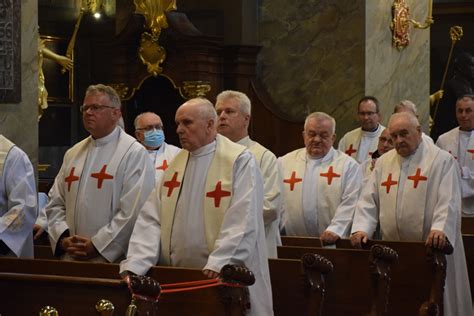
{"x": 124, "y": 91}
{"x": 400, "y": 24}
{"x": 194, "y": 89}
{"x": 150, "y": 52}
{"x": 48, "y": 311}
{"x": 105, "y": 307}
{"x": 455, "y": 33}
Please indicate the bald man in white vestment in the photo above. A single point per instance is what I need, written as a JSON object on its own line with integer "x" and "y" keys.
{"x": 149, "y": 132}
{"x": 233, "y": 110}
{"x": 102, "y": 184}
{"x": 414, "y": 194}
{"x": 321, "y": 184}
{"x": 207, "y": 212}
{"x": 361, "y": 142}
{"x": 18, "y": 201}
{"x": 459, "y": 142}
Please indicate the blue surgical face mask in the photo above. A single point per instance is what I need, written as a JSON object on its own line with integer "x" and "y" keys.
{"x": 154, "y": 138}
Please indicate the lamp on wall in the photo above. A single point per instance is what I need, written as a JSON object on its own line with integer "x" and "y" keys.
{"x": 401, "y": 23}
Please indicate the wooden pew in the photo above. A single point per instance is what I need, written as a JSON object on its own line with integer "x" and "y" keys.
{"x": 467, "y": 225}
{"x": 74, "y": 288}
{"x": 415, "y": 277}
{"x": 298, "y": 286}
{"x": 359, "y": 284}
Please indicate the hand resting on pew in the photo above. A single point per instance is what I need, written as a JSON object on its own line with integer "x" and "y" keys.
{"x": 329, "y": 238}
{"x": 359, "y": 238}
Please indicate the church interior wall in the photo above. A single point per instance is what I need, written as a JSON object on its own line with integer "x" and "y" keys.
{"x": 19, "y": 121}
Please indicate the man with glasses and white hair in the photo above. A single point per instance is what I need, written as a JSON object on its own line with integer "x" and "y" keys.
{"x": 234, "y": 110}
{"x": 321, "y": 184}
{"x": 149, "y": 132}
{"x": 361, "y": 142}
{"x": 101, "y": 186}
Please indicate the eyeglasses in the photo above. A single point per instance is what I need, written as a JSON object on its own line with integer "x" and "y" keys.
{"x": 94, "y": 107}
{"x": 150, "y": 127}
{"x": 384, "y": 140}
{"x": 366, "y": 113}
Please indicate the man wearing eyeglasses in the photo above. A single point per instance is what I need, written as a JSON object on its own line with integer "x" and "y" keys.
{"x": 321, "y": 184}
{"x": 361, "y": 142}
{"x": 101, "y": 186}
{"x": 149, "y": 132}
{"x": 385, "y": 144}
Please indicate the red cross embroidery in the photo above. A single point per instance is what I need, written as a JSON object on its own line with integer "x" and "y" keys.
{"x": 71, "y": 178}
{"x": 101, "y": 176}
{"x": 389, "y": 183}
{"x": 217, "y": 194}
{"x": 172, "y": 184}
{"x": 163, "y": 166}
{"x": 292, "y": 180}
{"x": 471, "y": 151}
{"x": 330, "y": 174}
{"x": 417, "y": 178}
{"x": 351, "y": 150}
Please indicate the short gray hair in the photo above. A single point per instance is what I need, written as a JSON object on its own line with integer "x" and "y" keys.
{"x": 108, "y": 91}
{"x": 408, "y": 115}
{"x": 467, "y": 96}
{"x": 321, "y": 116}
{"x": 206, "y": 108}
{"x": 240, "y": 97}
{"x": 407, "y": 105}
{"x": 139, "y": 116}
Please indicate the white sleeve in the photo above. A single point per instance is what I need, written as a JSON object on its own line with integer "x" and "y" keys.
{"x": 342, "y": 220}
{"x": 16, "y": 223}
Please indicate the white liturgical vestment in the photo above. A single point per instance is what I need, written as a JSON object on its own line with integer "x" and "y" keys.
{"x": 272, "y": 187}
{"x": 460, "y": 144}
{"x": 98, "y": 192}
{"x": 207, "y": 213}
{"x": 360, "y": 144}
{"x": 319, "y": 194}
{"x": 412, "y": 196}
{"x": 161, "y": 159}
{"x": 18, "y": 201}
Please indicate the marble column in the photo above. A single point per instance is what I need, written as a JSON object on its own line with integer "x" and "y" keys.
{"x": 19, "y": 121}
{"x": 326, "y": 55}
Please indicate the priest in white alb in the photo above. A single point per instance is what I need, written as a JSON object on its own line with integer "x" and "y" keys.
{"x": 234, "y": 111}
{"x": 414, "y": 194}
{"x": 18, "y": 201}
{"x": 102, "y": 184}
{"x": 321, "y": 184}
{"x": 459, "y": 142}
{"x": 149, "y": 132}
{"x": 207, "y": 212}
{"x": 361, "y": 142}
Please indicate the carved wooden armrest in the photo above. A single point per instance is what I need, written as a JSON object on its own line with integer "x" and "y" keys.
{"x": 237, "y": 274}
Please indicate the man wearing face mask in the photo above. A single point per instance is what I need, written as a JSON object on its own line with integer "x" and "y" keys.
{"x": 149, "y": 132}
{"x": 321, "y": 184}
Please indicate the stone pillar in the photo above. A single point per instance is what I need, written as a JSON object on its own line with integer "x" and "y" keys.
{"x": 19, "y": 121}
{"x": 325, "y": 55}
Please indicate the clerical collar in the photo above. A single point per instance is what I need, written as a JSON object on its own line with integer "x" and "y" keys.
{"x": 159, "y": 150}
{"x": 371, "y": 133}
{"x": 106, "y": 139}
{"x": 245, "y": 141}
{"x": 324, "y": 158}
{"x": 204, "y": 150}
{"x": 465, "y": 132}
